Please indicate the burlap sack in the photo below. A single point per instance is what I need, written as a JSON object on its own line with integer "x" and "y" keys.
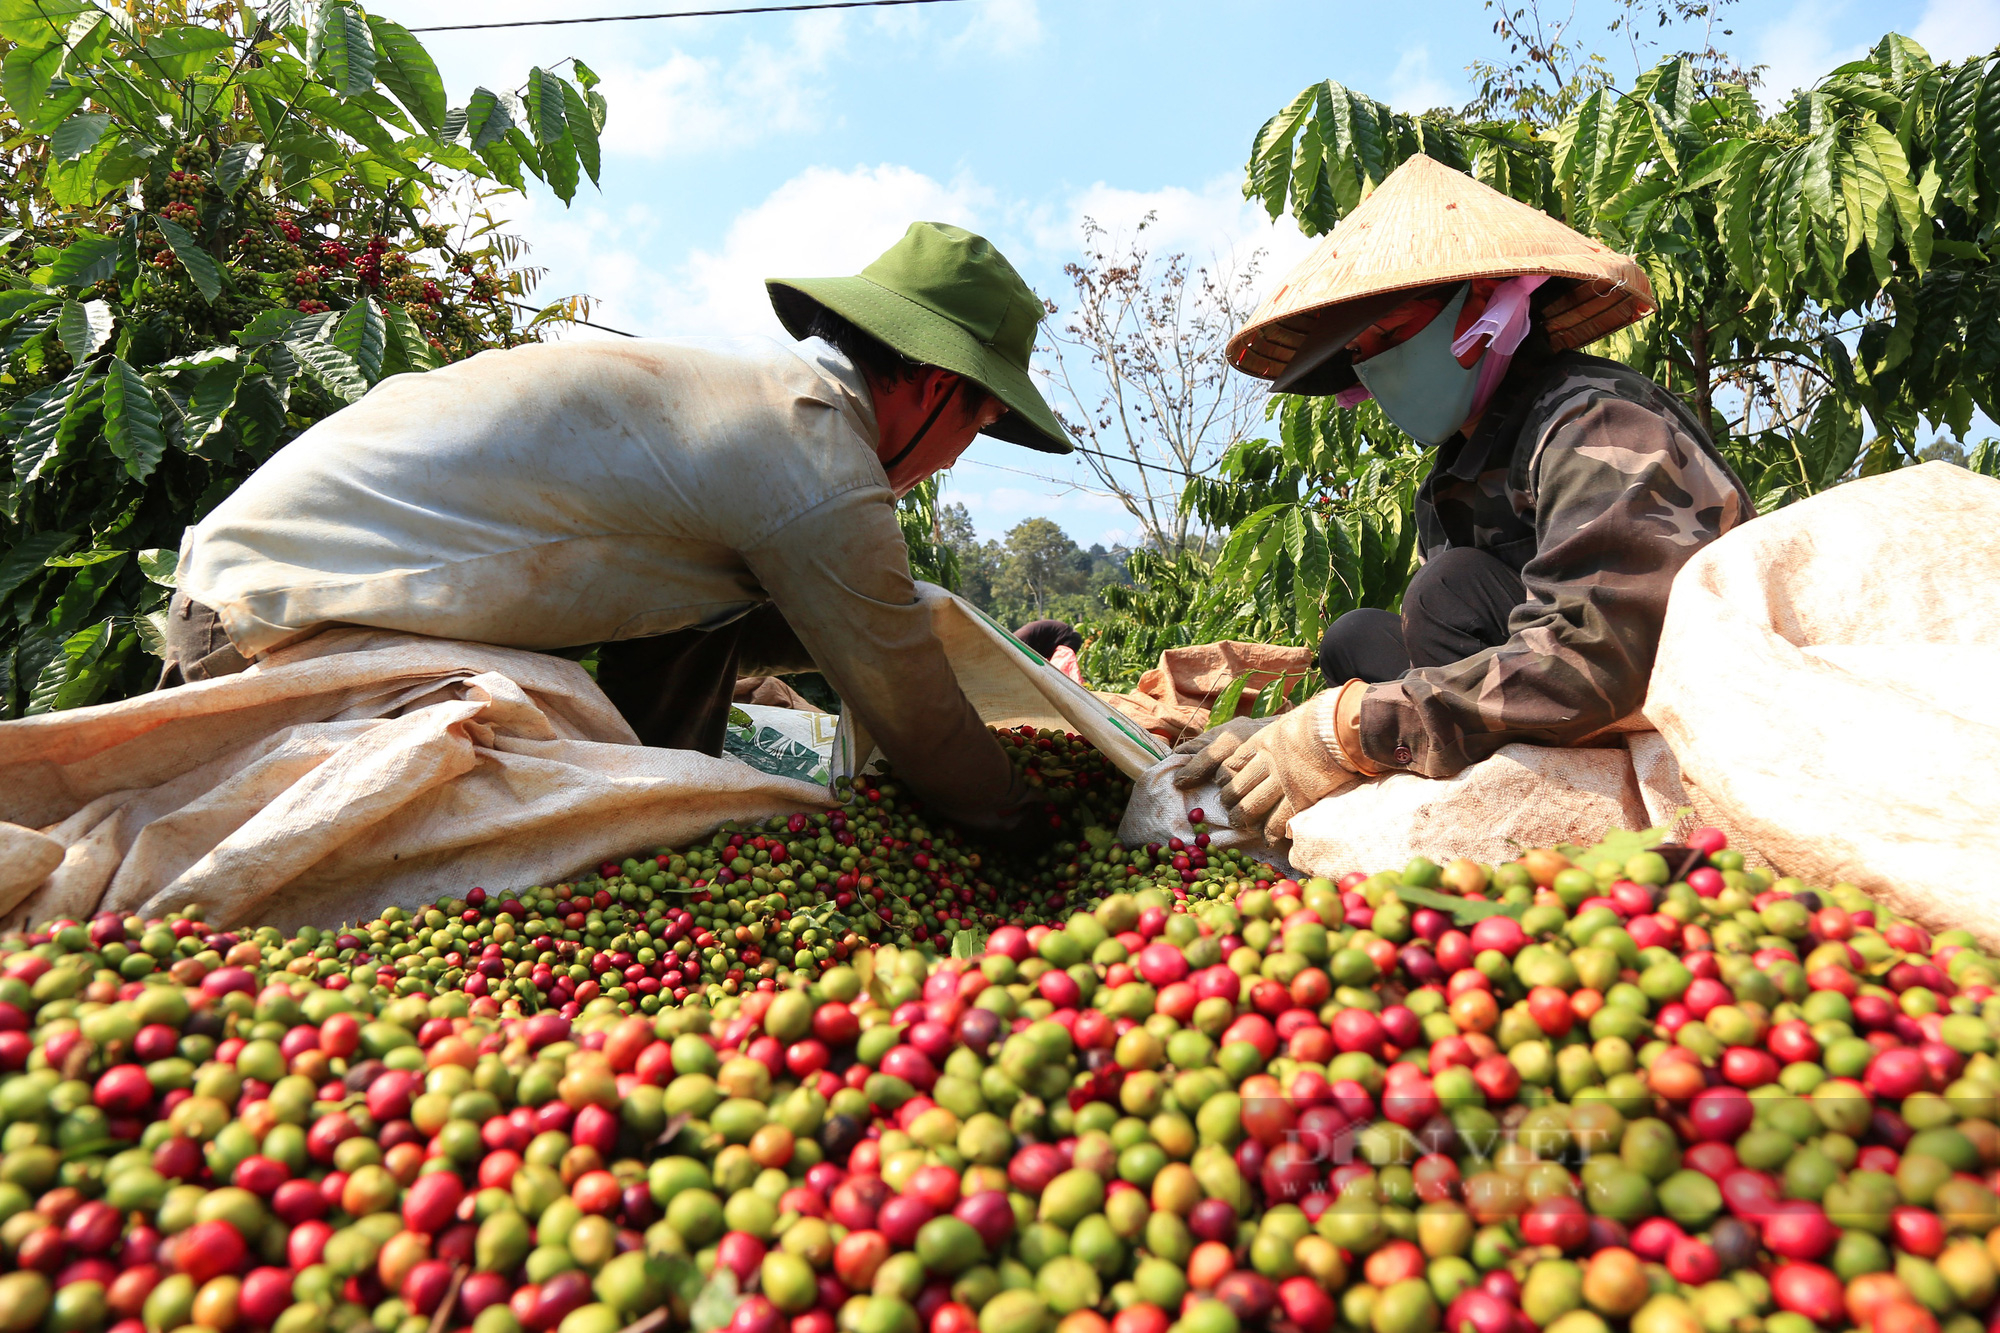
{"x": 1523, "y": 796}
{"x": 1174, "y": 698}
{"x": 1826, "y": 681}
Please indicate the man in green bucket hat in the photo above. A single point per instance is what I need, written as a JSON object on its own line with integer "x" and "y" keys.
{"x": 696, "y": 510}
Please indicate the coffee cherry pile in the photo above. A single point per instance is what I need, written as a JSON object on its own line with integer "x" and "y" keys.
{"x": 1618, "y": 1088}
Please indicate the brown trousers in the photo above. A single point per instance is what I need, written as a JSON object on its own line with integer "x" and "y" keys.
{"x": 674, "y": 689}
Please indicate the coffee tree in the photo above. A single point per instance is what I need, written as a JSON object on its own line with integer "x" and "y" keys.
{"x": 224, "y": 222}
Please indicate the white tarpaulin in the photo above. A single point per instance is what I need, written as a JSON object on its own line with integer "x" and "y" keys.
{"x": 362, "y": 768}
{"x": 1826, "y": 680}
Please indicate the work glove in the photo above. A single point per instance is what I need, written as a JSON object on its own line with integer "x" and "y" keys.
{"x": 1287, "y": 766}
{"x": 1212, "y": 748}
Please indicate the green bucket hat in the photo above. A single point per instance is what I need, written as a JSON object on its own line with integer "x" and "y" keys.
{"x": 943, "y": 297}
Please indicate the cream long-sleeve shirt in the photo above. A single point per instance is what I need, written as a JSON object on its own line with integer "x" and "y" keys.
{"x": 566, "y": 494}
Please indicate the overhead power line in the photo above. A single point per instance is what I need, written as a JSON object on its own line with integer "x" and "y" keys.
{"x": 688, "y": 14}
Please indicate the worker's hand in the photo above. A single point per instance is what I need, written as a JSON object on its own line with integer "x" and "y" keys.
{"x": 1212, "y": 749}
{"x": 1286, "y": 768}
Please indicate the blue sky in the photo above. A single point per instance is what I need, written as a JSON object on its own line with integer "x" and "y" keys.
{"x": 793, "y": 145}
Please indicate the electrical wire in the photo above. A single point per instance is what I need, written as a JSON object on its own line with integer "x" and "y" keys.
{"x": 606, "y": 328}
{"x": 688, "y": 14}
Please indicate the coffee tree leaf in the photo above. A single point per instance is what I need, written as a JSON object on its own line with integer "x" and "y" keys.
{"x": 410, "y": 75}
{"x": 85, "y": 260}
{"x": 84, "y": 326}
{"x": 199, "y": 263}
{"x": 334, "y": 369}
{"x": 132, "y": 419}
{"x": 159, "y": 565}
{"x": 78, "y": 135}
{"x": 29, "y": 557}
{"x": 346, "y": 49}
{"x": 361, "y": 333}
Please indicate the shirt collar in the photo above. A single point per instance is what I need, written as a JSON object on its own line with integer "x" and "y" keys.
{"x": 834, "y": 367}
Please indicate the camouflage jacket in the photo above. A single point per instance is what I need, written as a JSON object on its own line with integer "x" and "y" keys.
{"x": 1597, "y": 485}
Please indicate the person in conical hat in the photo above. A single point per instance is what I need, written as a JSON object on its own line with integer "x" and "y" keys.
{"x": 690, "y": 510}
{"x": 1565, "y": 492}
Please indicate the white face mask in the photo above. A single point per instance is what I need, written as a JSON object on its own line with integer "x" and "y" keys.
{"x": 1419, "y": 383}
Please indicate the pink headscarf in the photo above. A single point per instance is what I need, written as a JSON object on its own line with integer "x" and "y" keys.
{"x": 1503, "y": 325}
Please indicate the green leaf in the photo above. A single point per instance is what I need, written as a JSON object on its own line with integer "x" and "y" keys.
{"x": 488, "y": 117}
{"x": 160, "y": 566}
{"x": 53, "y": 428}
{"x": 968, "y": 943}
{"x": 29, "y": 557}
{"x": 80, "y": 674}
{"x": 212, "y": 399}
{"x": 334, "y": 369}
{"x": 22, "y": 302}
{"x": 177, "y": 52}
{"x": 360, "y": 334}
{"x": 152, "y": 628}
{"x": 412, "y": 346}
{"x": 1462, "y": 911}
{"x": 524, "y": 149}
{"x": 84, "y": 327}
{"x": 132, "y": 419}
{"x": 1895, "y": 167}
{"x": 25, "y": 78}
{"x": 272, "y": 325}
{"x": 259, "y": 412}
{"x": 350, "y": 118}
{"x": 1735, "y": 211}
{"x": 39, "y": 22}
{"x": 87, "y": 259}
{"x": 346, "y": 49}
{"x": 559, "y": 168}
{"x": 583, "y": 131}
{"x": 408, "y": 72}
{"x": 545, "y": 107}
{"x": 78, "y": 135}
{"x": 1709, "y": 164}
{"x": 199, "y": 263}
{"x": 97, "y": 555}
{"x": 716, "y": 1303}
{"x": 585, "y": 75}
{"x": 88, "y": 178}
{"x": 504, "y": 162}
{"x": 1270, "y": 169}
{"x": 237, "y": 164}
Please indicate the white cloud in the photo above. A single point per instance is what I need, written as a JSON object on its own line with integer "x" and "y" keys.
{"x": 675, "y": 89}
{"x": 1954, "y": 29}
{"x": 1002, "y": 27}
{"x": 684, "y": 105}
{"x": 1414, "y": 87}
{"x": 1798, "y": 50}
{"x": 821, "y": 221}
{"x": 1213, "y": 226}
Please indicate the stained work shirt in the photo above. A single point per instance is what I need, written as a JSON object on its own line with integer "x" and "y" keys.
{"x": 1596, "y": 485}
{"x": 565, "y": 494}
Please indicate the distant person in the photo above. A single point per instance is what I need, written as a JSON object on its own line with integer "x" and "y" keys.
{"x": 1566, "y": 490}
{"x": 1058, "y": 643}
{"x": 703, "y": 509}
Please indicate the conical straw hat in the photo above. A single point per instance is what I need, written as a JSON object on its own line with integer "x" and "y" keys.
{"x": 1428, "y": 225}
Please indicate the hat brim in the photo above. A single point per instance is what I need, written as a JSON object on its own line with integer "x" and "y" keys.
{"x": 1322, "y": 364}
{"x": 928, "y": 338}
